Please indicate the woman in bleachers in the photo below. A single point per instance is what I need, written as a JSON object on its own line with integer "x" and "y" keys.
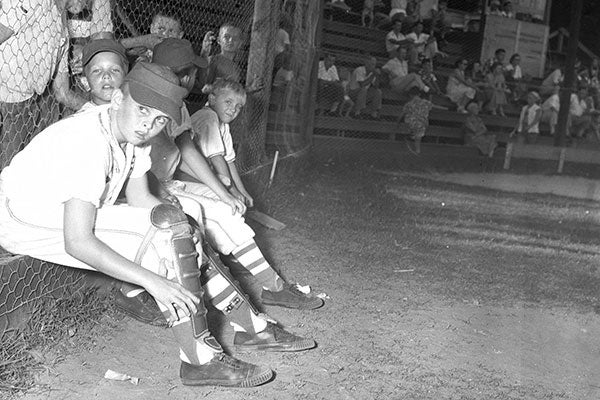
{"x": 459, "y": 90}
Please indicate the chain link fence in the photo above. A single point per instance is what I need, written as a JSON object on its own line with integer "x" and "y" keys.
{"x": 39, "y": 86}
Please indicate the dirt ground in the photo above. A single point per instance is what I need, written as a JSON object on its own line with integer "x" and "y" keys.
{"x": 437, "y": 291}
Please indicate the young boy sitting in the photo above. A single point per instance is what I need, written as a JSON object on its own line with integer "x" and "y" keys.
{"x": 222, "y": 210}
{"x": 57, "y": 203}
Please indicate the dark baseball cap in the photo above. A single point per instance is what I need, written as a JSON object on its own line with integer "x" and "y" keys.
{"x": 101, "y": 45}
{"x": 156, "y": 86}
{"x": 174, "y": 52}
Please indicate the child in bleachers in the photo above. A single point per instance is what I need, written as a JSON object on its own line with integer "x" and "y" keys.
{"x": 550, "y": 109}
{"x": 529, "y": 120}
{"x": 428, "y": 76}
{"x": 347, "y": 104}
{"x": 416, "y": 115}
{"x": 496, "y": 89}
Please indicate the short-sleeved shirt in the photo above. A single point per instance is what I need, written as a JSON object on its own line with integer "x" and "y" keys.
{"x": 358, "y": 75}
{"x": 77, "y": 157}
{"x": 96, "y": 19}
{"x": 419, "y": 40}
{"x": 578, "y": 106}
{"x": 330, "y": 74}
{"x": 33, "y": 53}
{"x": 165, "y": 154}
{"x": 212, "y": 135}
{"x": 389, "y": 46}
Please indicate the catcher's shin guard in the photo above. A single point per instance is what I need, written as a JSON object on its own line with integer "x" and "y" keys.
{"x": 213, "y": 263}
{"x": 166, "y": 217}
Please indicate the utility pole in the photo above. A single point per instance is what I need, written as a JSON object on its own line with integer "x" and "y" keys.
{"x": 560, "y": 137}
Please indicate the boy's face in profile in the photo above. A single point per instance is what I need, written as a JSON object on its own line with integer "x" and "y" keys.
{"x": 104, "y": 73}
{"x": 227, "y": 104}
{"x": 136, "y": 123}
{"x": 166, "y": 27}
{"x": 229, "y": 39}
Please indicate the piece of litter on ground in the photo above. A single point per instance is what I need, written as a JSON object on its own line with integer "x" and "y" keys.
{"x": 304, "y": 289}
{"x": 323, "y": 296}
{"x": 117, "y": 376}
{"x": 405, "y": 270}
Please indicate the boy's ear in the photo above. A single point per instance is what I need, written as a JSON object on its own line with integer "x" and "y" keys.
{"x": 211, "y": 98}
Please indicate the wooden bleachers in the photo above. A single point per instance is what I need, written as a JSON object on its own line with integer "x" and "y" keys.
{"x": 349, "y": 42}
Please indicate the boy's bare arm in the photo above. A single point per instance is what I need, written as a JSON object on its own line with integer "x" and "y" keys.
{"x": 237, "y": 180}
{"x": 84, "y": 245}
{"x": 195, "y": 164}
{"x": 148, "y": 41}
{"x": 64, "y": 94}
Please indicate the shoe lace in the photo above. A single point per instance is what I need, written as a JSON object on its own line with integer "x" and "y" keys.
{"x": 228, "y": 360}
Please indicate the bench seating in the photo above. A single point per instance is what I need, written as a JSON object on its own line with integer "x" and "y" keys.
{"x": 549, "y": 152}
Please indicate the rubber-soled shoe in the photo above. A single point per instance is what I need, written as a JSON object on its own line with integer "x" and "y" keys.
{"x": 224, "y": 370}
{"x": 142, "y": 307}
{"x": 273, "y": 338}
{"x": 291, "y": 297}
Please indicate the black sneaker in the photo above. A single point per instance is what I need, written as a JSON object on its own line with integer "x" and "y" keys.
{"x": 224, "y": 370}
{"x": 291, "y": 297}
{"x": 273, "y": 338}
{"x": 142, "y": 307}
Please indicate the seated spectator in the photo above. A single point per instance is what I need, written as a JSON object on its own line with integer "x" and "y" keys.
{"x": 423, "y": 45}
{"x": 439, "y": 22}
{"x": 329, "y": 88}
{"x": 476, "y": 134}
{"x": 428, "y": 76}
{"x": 396, "y": 39}
{"x": 496, "y": 90}
{"x": 416, "y": 115}
{"x": 529, "y": 120}
{"x": 514, "y": 75}
{"x": 555, "y": 78}
{"x": 368, "y": 12}
{"x": 401, "y": 81}
{"x": 476, "y": 78}
{"x": 347, "y": 104}
{"x": 459, "y": 90}
{"x": 579, "y": 117}
{"x": 364, "y": 88}
{"x": 550, "y": 109}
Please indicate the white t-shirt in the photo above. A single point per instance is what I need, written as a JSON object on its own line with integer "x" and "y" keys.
{"x": 389, "y": 46}
{"x": 330, "y": 74}
{"x": 358, "y": 75}
{"x": 77, "y": 157}
{"x": 418, "y": 40}
{"x": 39, "y": 46}
{"x": 515, "y": 71}
{"x": 213, "y": 135}
{"x": 577, "y": 106}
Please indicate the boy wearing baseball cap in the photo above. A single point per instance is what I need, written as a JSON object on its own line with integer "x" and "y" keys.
{"x": 219, "y": 211}
{"x": 104, "y": 66}
{"x": 57, "y": 203}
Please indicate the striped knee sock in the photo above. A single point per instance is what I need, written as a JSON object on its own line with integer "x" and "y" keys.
{"x": 250, "y": 256}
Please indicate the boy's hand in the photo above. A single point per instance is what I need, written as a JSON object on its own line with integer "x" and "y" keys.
{"x": 173, "y": 296}
{"x": 207, "y": 41}
{"x": 235, "y": 204}
{"x": 247, "y": 198}
{"x": 150, "y": 40}
{"x": 237, "y": 194}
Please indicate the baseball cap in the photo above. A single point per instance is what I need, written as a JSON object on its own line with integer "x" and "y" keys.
{"x": 101, "y": 45}
{"x": 156, "y": 86}
{"x": 174, "y": 52}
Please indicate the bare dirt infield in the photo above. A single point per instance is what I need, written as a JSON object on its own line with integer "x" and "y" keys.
{"x": 438, "y": 291}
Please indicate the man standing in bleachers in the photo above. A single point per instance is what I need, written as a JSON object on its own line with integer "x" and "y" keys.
{"x": 329, "y": 88}
{"x": 33, "y": 52}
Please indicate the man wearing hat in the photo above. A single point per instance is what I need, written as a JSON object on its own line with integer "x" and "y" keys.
{"x": 57, "y": 203}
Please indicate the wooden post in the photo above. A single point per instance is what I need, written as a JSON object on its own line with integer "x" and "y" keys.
{"x": 309, "y": 117}
{"x": 260, "y": 67}
{"x": 560, "y": 136}
{"x": 508, "y": 155}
